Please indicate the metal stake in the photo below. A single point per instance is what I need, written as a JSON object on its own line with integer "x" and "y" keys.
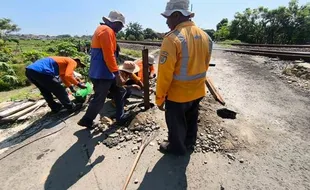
{"x": 146, "y": 84}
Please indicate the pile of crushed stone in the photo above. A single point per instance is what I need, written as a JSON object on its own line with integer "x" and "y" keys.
{"x": 142, "y": 125}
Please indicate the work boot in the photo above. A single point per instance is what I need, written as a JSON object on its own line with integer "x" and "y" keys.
{"x": 74, "y": 107}
{"x": 84, "y": 122}
{"x": 190, "y": 144}
{"x": 56, "y": 108}
{"x": 165, "y": 148}
{"x": 126, "y": 118}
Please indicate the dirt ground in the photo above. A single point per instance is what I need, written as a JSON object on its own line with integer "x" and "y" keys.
{"x": 265, "y": 147}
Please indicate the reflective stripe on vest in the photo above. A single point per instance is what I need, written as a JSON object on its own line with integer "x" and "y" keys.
{"x": 184, "y": 61}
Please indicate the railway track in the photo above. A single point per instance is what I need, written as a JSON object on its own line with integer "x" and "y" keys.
{"x": 271, "y": 45}
{"x": 284, "y": 55}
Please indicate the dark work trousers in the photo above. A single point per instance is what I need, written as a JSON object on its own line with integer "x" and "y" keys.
{"x": 49, "y": 85}
{"x": 102, "y": 88}
{"x": 181, "y": 119}
{"x": 128, "y": 91}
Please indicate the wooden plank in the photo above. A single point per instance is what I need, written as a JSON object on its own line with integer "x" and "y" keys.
{"x": 146, "y": 84}
{"x": 25, "y": 112}
{"x": 7, "y": 105}
{"x": 214, "y": 92}
{"x": 4, "y": 105}
{"x": 16, "y": 109}
{"x": 38, "y": 105}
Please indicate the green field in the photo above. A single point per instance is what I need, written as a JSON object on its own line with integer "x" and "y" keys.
{"x": 15, "y": 55}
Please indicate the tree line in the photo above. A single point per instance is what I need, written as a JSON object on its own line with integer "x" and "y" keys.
{"x": 283, "y": 25}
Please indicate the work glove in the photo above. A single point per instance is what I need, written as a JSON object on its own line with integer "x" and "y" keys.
{"x": 81, "y": 85}
{"x": 72, "y": 89}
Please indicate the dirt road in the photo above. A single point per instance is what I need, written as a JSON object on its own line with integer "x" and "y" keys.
{"x": 272, "y": 129}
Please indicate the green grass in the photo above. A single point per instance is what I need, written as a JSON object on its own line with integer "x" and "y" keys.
{"x": 229, "y": 42}
{"x": 133, "y": 53}
{"x": 30, "y": 92}
{"x": 28, "y": 45}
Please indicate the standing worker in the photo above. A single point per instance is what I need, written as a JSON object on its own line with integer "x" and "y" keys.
{"x": 104, "y": 72}
{"x": 184, "y": 59}
{"x": 43, "y": 73}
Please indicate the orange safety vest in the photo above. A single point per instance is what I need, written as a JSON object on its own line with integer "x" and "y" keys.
{"x": 140, "y": 73}
{"x": 66, "y": 67}
{"x": 184, "y": 59}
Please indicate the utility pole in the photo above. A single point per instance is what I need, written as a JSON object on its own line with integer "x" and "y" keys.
{"x": 191, "y": 7}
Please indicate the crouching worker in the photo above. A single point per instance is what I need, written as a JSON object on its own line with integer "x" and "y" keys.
{"x": 152, "y": 73}
{"x": 43, "y": 74}
{"x": 131, "y": 80}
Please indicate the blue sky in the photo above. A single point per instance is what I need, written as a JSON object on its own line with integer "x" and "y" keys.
{"x": 78, "y": 17}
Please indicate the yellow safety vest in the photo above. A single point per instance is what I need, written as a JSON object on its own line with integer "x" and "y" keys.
{"x": 184, "y": 59}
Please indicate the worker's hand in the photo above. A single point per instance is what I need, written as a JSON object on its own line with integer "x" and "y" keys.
{"x": 136, "y": 86}
{"x": 78, "y": 79}
{"x": 162, "y": 107}
{"x": 72, "y": 89}
{"x": 81, "y": 85}
{"x": 119, "y": 80}
{"x": 152, "y": 76}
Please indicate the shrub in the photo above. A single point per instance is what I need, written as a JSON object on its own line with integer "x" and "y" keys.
{"x": 14, "y": 60}
{"x": 20, "y": 73}
{"x": 52, "y": 49}
{"x": 4, "y": 86}
{"x": 10, "y": 79}
{"x": 66, "y": 49}
{"x": 131, "y": 37}
{"x": 32, "y": 56}
{"x": 4, "y": 57}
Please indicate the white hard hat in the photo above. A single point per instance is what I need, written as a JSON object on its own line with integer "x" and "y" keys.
{"x": 151, "y": 60}
{"x": 178, "y": 5}
{"x": 115, "y": 16}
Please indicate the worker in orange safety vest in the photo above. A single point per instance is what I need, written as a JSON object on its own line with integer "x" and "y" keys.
{"x": 152, "y": 73}
{"x": 104, "y": 72}
{"x": 184, "y": 59}
{"x": 43, "y": 74}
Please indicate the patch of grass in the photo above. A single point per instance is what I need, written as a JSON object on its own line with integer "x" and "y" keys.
{"x": 229, "y": 42}
{"x": 134, "y": 53}
{"x": 225, "y": 45}
{"x": 28, "y": 45}
{"x": 30, "y": 92}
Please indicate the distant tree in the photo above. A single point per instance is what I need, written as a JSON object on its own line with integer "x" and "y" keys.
{"x": 160, "y": 36}
{"x": 63, "y": 36}
{"x": 149, "y": 34}
{"x": 120, "y": 35}
{"x": 210, "y": 32}
{"x": 134, "y": 29}
{"x": 131, "y": 37}
{"x": 222, "y": 34}
{"x": 283, "y": 25}
{"x": 223, "y": 22}
{"x": 7, "y": 27}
